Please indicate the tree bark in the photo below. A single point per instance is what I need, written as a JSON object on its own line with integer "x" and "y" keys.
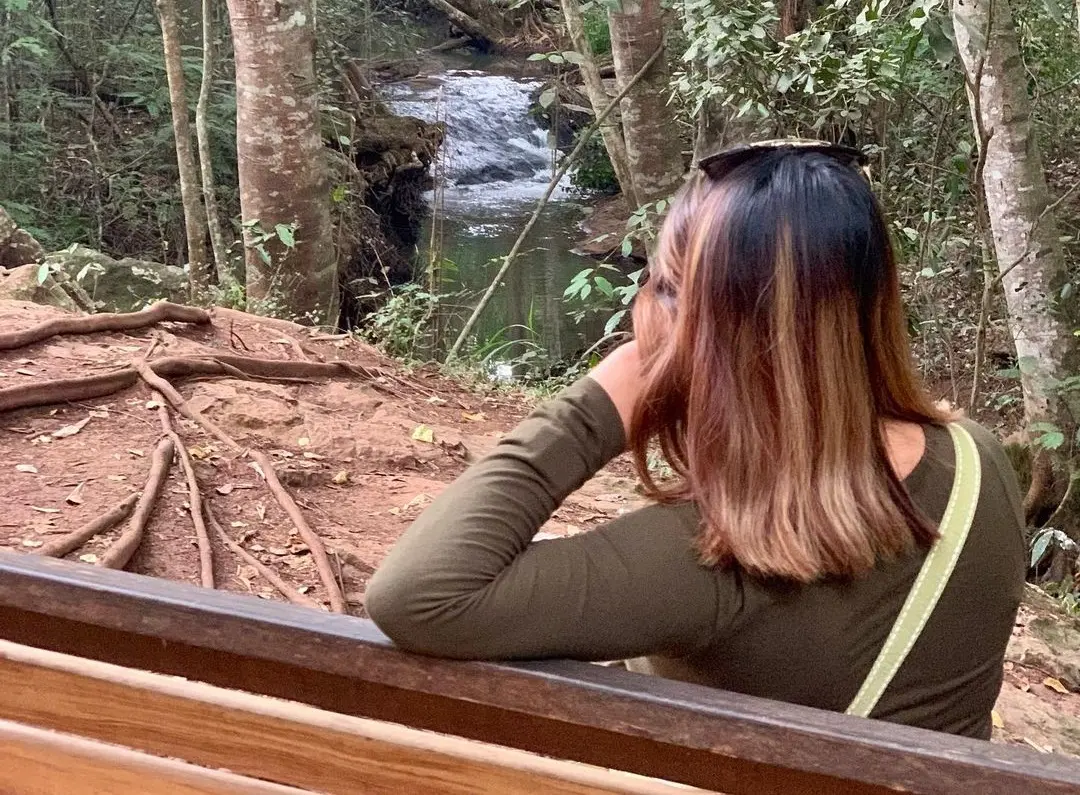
{"x": 611, "y": 133}
{"x": 194, "y": 214}
{"x": 284, "y": 178}
{"x": 1031, "y": 267}
{"x": 653, "y": 148}
{"x": 202, "y": 134}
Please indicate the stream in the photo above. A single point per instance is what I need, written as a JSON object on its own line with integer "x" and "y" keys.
{"x": 495, "y": 165}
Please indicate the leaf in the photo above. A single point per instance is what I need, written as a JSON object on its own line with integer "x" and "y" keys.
{"x": 603, "y": 285}
{"x": 477, "y": 417}
{"x": 423, "y": 433}
{"x": 537, "y": 56}
{"x": 30, "y": 469}
{"x": 995, "y": 716}
{"x": 225, "y": 490}
{"x": 25, "y": 372}
{"x": 32, "y": 543}
{"x": 344, "y": 140}
{"x": 1055, "y": 685}
{"x": 75, "y": 498}
{"x": 89, "y": 558}
{"x": 942, "y": 46}
{"x": 1039, "y": 547}
{"x": 627, "y": 247}
{"x": 574, "y": 57}
{"x": 44, "y": 510}
{"x": 547, "y": 97}
{"x": 556, "y": 58}
{"x": 43, "y": 273}
{"x": 1053, "y": 9}
{"x": 613, "y": 321}
{"x": 341, "y": 478}
{"x": 285, "y": 235}
{"x": 70, "y": 430}
{"x": 303, "y": 441}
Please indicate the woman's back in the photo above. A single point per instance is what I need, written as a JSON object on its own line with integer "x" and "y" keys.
{"x": 771, "y": 369}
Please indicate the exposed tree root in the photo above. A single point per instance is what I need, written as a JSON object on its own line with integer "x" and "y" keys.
{"x": 118, "y": 555}
{"x": 91, "y": 324}
{"x": 309, "y": 536}
{"x": 195, "y": 503}
{"x": 163, "y": 387}
{"x": 76, "y": 538}
{"x": 269, "y": 574}
{"x": 75, "y": 390}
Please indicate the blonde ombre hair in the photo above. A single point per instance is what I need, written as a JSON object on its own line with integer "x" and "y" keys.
{"x": 774, "y": 346}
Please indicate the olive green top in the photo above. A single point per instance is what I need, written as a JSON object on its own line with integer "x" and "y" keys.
{"x": 465, "y": 581}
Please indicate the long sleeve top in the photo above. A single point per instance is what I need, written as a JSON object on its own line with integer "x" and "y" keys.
{"x": 467, "y": 581}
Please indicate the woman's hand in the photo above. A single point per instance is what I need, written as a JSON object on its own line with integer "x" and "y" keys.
{"x": 620, "y": 376}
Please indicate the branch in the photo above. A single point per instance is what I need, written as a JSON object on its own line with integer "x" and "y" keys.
{"x": 76, "y": 538}
{"x": 564, "y": 166}
{"x": 119, "y": 554}
{"x": 195, "y": 504}
{"x": 309, "y": 536}
{"x": 91, "y": 324}
{"x": 271, "y": 576}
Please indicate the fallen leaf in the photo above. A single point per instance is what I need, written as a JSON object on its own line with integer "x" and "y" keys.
{"x": 279, "y": 551}
{"x": 152, "y": 404}
{"x": 313, "y": 456}
{"x": 24, "y": 361}
{"x": 341, "y": 478}
{"x": 100, "y": 414}
{"x": 423, "y": 433}
{"x": 436, "y": 401}
{"x": 139, "y": 453}
{"x": 299, "y": 549}
{"x": 70, "y": 430}
{"x": 32, "y": 543}
{"x": 1025, "y": 688}
{"x": 258, "y": 470}
{"x": 90, "y": 558}
{"x": 237, "y": 524}
{"x": 477, "y": 417}
{"x": 995, "y": 716}
{"x": 44, "y": 510}
{"x": 395, "y": 511}
{"x": 257, "y": 548}
{"x": 303, "y": 441}
{"x": 200, "y": 453}
{"x": 30, "y": 469}
{"x": 1055, "y": 685}
{"x": 303, "y": 589}
{"x": 25, "y": 372}
{"x": 75, "y": 498}
{"x": 117, "y": 478}
{"x": 226, "y": 489}
{"x": 260, "y": 511}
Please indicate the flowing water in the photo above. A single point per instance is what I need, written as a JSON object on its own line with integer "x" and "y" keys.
{"x": 495, "y": 164}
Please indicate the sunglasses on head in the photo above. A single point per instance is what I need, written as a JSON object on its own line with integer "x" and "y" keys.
{"x": 719, "y": 165}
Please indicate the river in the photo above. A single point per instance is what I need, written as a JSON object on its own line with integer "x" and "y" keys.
{"x": 495, "y": 165}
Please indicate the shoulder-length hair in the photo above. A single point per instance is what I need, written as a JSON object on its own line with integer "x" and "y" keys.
{"x": 774, "y": 346}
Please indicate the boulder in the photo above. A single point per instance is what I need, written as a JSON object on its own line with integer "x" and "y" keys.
{"x": 23, "y": 284}
{"x": 120, "y": 285}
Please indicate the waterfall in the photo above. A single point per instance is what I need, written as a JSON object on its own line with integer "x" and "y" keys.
{"x": 495, "y": 153}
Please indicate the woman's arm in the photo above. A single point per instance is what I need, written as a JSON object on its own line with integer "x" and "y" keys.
{"x": 465, "y": 581}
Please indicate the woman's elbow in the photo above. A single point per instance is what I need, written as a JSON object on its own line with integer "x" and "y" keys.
{"x": 387, "y": 601}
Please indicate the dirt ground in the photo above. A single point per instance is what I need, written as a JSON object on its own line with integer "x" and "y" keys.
{"x": 361, "y": 456}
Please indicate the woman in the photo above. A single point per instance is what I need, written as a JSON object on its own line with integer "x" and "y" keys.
{"x": 772, "y": 368}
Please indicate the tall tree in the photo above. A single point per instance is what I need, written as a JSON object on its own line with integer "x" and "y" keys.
{"x": 611, "y": 132}
{"x": 194, "y": 214}
{"x": 202, "y": 134}
{"x": 284, "y": 179}
{"x": 653, "y": 146}
{"x": 1030, "y": 263}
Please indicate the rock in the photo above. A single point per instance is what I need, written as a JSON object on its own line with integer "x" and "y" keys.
{"x": 496, "y": 172}
{"x": 21, "y": 284}
{"x": 17, "y": 246}
{"x": 120, "y": 285}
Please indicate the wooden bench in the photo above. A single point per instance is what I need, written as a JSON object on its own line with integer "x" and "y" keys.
{"x": 89, "y": 702}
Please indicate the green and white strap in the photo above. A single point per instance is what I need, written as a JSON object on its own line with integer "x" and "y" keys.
{"x": 933, "y": 577}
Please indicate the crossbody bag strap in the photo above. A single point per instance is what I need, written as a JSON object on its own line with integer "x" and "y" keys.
{"x": 933, "y": 576}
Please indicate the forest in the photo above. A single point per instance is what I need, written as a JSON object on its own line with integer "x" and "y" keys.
{"x": 477, "y": 183}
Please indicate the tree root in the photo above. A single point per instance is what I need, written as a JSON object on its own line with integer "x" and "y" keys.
{"x": 90, "y": 324}
{"x": 75, "y": 390}
{"x": 195, "y": 503}
{"x": 309, "y": 536}
{"x": 268, "y": 574}
{"x": 76, "y": 538}
{"x": 156, "y": 382}
{"x": 118, "y": 555}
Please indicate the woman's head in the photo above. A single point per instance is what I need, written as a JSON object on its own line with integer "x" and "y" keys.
{"x": 774, "y": 345}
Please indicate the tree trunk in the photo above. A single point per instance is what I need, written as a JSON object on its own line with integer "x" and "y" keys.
{"x": 1030, "y": 263}
{"x": 284, "y": 178}
{"x": 194, "y": 216}
{"x": 202, "y": 133}
{"x": 611, "y": 132}
{"x": 653, "y": 147}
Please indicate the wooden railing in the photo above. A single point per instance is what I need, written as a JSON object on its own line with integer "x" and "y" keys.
{"x": 85, "y": 649}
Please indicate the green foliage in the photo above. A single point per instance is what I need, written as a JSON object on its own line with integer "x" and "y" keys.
{"x": 597, "y": 32}
{"x": 397, "y": 326}
{"x": 594, "y": 171}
